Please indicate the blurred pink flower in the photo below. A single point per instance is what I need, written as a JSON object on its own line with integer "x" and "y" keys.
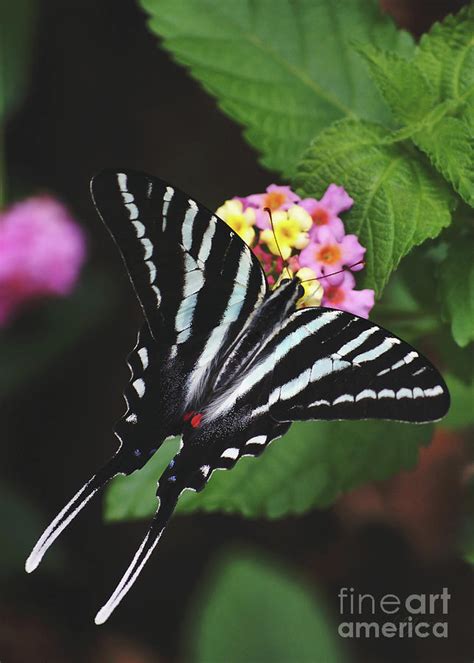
{"x": 41, "y": 252}
{"x": 325, "y": 212}
{"x": 345, "y": 298}
{"x": 328, "y": 254}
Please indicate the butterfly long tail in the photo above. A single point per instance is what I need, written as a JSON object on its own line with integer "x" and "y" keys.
{"x": 70, "y": 511}
{"x": 164, "y": 512}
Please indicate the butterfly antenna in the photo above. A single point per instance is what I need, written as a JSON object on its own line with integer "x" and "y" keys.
{"x": 285, "y": 264}
{"x": 340, "y": 271}
{"x": 70, "y": 511}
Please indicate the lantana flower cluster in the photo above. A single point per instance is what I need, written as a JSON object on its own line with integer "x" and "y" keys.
{"x": 42, "y": 250}
{"x": 308, "y": 240}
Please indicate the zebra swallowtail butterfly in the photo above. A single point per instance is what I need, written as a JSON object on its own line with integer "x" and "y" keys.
{"x": 224, "y": 361}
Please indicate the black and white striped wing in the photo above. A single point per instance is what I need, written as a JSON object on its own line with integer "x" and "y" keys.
{"x": 198, "y": 284}
{"x": 328, "y": 364}
{"x": 219, "y": 445}
{"x": 191, "y": 272}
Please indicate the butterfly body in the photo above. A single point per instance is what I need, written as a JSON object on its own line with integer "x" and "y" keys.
{"x": 223, "y": 361}
{"x": 275, "y": 308}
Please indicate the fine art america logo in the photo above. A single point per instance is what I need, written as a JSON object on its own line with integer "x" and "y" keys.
{"x": 414, "y": 616}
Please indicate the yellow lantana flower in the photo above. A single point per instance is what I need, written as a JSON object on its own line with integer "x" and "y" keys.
{"x": 291, "y": 230}
{"x": 240, "y": 220}
{"x": 313, "y": 290}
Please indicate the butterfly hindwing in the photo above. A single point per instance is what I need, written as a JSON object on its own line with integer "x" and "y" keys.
{"x": 329, "y": 364}
{"x": 203, "y": 451}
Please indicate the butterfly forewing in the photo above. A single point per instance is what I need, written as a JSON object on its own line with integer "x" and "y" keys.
{"x": 179, "y": 256}
{"x": 198, "y": 284}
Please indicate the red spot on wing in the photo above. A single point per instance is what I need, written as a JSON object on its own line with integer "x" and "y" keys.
{"x": 187, "y": 415}
{"x": 196, "y": 420}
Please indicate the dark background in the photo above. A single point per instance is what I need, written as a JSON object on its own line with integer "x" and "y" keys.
{"x": 103, "y": 94}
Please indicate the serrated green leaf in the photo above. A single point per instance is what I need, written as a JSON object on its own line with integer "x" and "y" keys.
{"x": 279, "y": 619}
{"x": 307, "y": 469}
{"x": 16, "y": 29}
{"x": 446, "y": 56}
{"x": 402, "y": 83}
{"x": 399, "y": 201}
{"x": 449, "y": 143}
{"x": 457, "y": 289}
{"x": 434, "y": 93}
{"x": 284, "y": 70}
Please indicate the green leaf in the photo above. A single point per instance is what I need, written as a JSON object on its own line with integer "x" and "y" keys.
{"x": 284, "y": 70}
{"x": 16, "y": 31}
{"x": 307, "y": 469}
{"x": 458, "y": 360}
{"x": 457, "y": 289}
{"x": 401, "y": 82}
{"x": 134, "y": 496}
{"x": 434, "y": 93}
{"x": 449, "y": 143}
{"x": 446, "y": 56}
{"x": 252, "y": 611}
{"x": 400, "y": 312}
{"x": 399, "y": 201}
{"x": 461, "y": 412}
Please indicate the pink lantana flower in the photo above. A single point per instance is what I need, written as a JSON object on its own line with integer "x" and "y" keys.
{"x": 343, "y": 296}
{"x": 328, "y": 254}
{"x": 41, "y": 252}
{"x": 275, "y": 197}
{"x": 325, "y": 212}
{"x": 307, "y": 240}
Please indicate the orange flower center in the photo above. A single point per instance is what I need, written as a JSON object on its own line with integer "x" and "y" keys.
{"x": 274, "y": 200}
{"x": 334, "y": 295}
{"x": 320, "y": 216}
{"x": 329, "y": 254}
